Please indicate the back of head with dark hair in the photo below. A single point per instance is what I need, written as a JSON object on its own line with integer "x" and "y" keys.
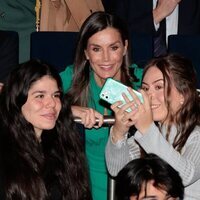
{"x": 130, "y": 179}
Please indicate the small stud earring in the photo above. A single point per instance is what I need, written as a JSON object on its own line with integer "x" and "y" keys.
{"x": 181, "y": 102}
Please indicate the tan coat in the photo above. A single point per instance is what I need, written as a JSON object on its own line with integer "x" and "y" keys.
{"x": 66, "y": 15}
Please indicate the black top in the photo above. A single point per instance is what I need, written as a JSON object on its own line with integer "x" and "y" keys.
{"x": 8, "y": 162}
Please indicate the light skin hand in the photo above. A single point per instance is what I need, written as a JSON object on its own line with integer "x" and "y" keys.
{"x": 122, "y": 124}
{"x": 88, "y": 116}
{"x": 164, "y": 9}
{"x": 142, "y": 116}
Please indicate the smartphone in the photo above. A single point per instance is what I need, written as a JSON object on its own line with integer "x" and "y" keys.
{"x": 112, "y": 92}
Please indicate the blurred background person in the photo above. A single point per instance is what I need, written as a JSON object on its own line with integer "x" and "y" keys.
{"x": 159, "y": 18}
{"x": 9, "y": 54}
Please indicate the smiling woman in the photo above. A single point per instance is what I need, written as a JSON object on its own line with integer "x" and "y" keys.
{"x": 168, "y": 122}
{"x": 41, "y": 154}
{"x": 43, "y": 104}
{"x": 101, "y": 52}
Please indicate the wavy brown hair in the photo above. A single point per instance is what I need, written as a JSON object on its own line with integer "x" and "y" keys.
{"x": 179, "y": 71}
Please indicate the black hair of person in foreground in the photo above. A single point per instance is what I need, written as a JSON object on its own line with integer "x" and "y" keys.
{"x": 41, "y": 154}
{"x": 150, "y": 178}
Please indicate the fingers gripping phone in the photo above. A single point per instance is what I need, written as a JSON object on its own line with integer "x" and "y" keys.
{"x": 112, "y": 92}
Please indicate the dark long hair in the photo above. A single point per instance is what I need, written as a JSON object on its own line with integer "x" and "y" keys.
{"x": 140, "y": 171}
{"x": 97, "y": 21}
{"x": 32, "y": 169}
{"x": 179, "y": 71}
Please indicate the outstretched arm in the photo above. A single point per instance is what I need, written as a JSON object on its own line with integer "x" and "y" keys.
{"x": 163, "y": 9}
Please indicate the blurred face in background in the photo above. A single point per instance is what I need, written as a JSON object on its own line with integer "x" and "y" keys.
{"x": 105, "y": 51}
{"x": 43, "y": 104}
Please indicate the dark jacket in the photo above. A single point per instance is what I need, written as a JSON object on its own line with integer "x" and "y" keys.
{"x": 9, "y": 53}
{"x": 138, "y": 15}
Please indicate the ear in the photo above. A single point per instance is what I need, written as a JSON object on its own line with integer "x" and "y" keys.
{"x": 125, "y": 47}
{"x": 86, "y": 54}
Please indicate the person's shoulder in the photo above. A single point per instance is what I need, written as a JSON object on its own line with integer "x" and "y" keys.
{"x": 68, "y": 68}
{"x": 197, "y": 129}
{"x": 67, "y": 71}
{"x": 66, "y": 77}
{"x": 194, "y": 135}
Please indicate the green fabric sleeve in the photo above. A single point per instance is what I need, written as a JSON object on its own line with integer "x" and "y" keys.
{"x": 66, "y": 77}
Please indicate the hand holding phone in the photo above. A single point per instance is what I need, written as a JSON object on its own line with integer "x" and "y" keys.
{"x": 112, "y": 92}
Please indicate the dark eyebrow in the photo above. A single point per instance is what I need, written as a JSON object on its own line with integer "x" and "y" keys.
{"x": 93, "y": 44}
{"x": 38, "y": 91}
{"x": 154, "y": 81}
{"x": 43, "y": 92}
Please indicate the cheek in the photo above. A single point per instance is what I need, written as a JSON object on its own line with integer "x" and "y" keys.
{"x": 118, "y": 56}
{"x": 58, "y": 106}
{"x": 160, "y": 113}
{"x": 29, "y": 110}
{"x": 27, "y": 113}
{"x": 175, "y": 106}
{"x": 93, "y": 57}
{"x": 160, "y": 97}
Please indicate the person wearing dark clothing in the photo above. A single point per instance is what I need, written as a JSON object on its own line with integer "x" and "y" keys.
{"x": 8, "y": 53}
{"x": 144, "y": 17}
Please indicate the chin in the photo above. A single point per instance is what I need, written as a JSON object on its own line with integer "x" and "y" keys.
{"x": 48, "y": 127}
{"x": 157, "y": 118}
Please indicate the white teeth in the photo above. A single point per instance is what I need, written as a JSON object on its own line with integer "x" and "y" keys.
{"x": 154, "y": 106}
{"x": 106, "y": 66}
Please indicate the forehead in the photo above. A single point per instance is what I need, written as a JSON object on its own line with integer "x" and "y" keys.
{"x": 149, "y": 190}
{"x": 46, "y": 82}
{"x": 107, "y": 35}
{"x": 152, "y": 74}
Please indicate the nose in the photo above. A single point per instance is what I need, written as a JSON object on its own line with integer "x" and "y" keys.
{"x": 106, "y": 55}
{"x": 150, "y": 93}
{"x": 51, "y": 102}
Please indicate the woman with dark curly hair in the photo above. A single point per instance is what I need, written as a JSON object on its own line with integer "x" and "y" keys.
{"x": 41, "y": 154}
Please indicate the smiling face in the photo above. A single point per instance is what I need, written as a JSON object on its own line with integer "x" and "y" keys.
{"x": 43, "y": 105}
{"x": 153, "y": 84}
{"x": 105, "y": 51}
